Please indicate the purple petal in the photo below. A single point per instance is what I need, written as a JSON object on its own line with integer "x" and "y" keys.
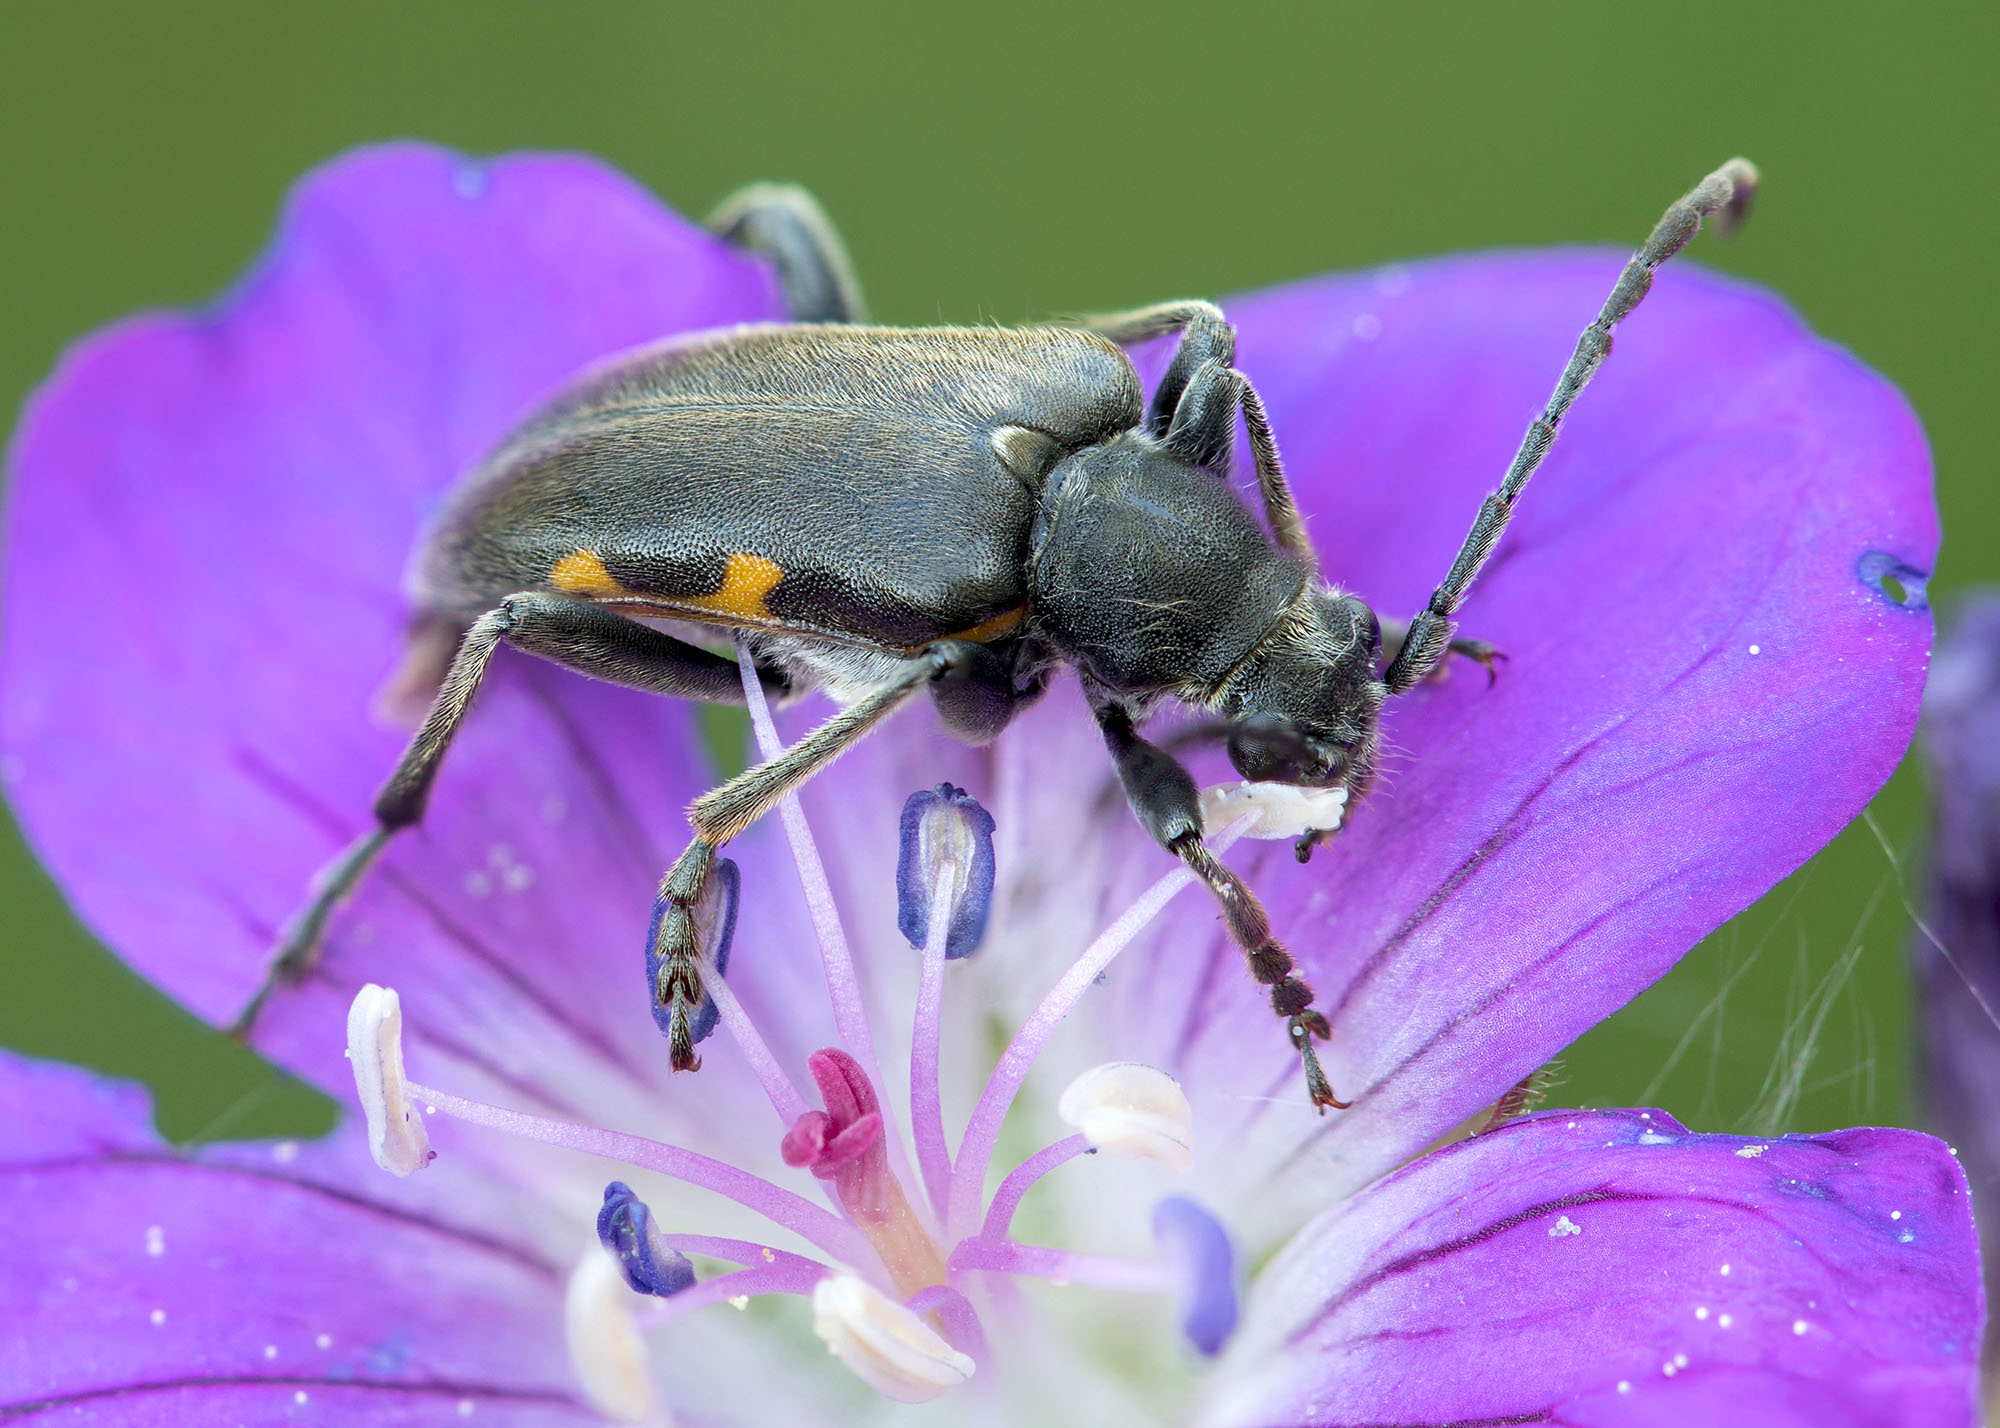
{"x": 1538, "y": 851}
{"x": 243, "y": 490}
{"x": 1608, "y": 1268}
{"x": 168, "y": 1289}
{"x": 1703, "y": 682}
{"x": 208, "y": 521}
{"x": 1957, "y": 957}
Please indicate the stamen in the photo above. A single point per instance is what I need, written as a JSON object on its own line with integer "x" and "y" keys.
{"x": 843, "y": 986}
{"x": 926, "y": 1083}
{"x": 975, "y": 1149}
{"x": 1063, "y": 1266}
{"x": 649, "y": 1263}
{"x": 835, "y": 1236}
{"x": 850, "y": 1016}
{"x": 944, "y": 890}
{"x": 784, "y": 1096}
{"x": 945, "y": 831}
{"x": 1274, "y": 810}
{"x": 1022, "y": 1178}
{"x": 1199, "y": 1247}
{"x": 1133, "y": 1111}
{"x": 771, "y": 1271}
{"x": 396, "y": 1135}
{"x": 884, "y": 1343}
{"x": 605, "y": 1346}
{"x": 955, "y": 1312}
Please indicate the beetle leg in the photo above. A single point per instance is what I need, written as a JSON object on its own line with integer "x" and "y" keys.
{"x": 1205, "y": 336}
{"x": 584, "y": 637}
{"x": 1167, "y": 803}
{"x": 722, "y": 813}
{"x": 1394, "y": 632}
{"x": 1194, "y": 407}
{"x": 784, "y": 223}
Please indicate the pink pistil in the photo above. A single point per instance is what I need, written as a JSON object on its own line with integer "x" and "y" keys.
{"x": 844, "y": 1144}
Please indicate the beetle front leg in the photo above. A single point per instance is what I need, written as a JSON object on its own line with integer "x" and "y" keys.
{"x": 1167, "y": 803}
{"x": 724, "y": 812}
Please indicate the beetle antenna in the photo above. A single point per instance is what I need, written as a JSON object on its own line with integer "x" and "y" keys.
{"x": 1725, "y": 195}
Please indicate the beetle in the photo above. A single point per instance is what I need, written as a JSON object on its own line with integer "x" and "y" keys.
{"x": 877, "y": 511}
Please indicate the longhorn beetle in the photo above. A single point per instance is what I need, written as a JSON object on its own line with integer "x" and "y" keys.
{"x": 876, "y": 511}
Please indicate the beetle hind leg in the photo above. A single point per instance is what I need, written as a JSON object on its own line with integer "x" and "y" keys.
{"x": 784, "y": 223}
{"x": 574, "y": 633}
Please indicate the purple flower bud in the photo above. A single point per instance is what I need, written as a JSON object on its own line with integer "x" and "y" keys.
{"x": 945, "y": 828}
{"x": 625, "y": 1226}
{"x": 1200, "y": 1249}
{"x": 715, "y": 926}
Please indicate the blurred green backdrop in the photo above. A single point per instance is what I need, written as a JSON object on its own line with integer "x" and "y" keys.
{"x": 995, "y": 162}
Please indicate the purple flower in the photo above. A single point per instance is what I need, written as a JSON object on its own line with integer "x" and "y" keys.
{"x": 1712, "y": 607}
{"x": 1957, "y": 950}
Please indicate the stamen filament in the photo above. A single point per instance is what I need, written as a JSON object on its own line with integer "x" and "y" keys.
{"x": 843, "y": 986}
{"x": 926, "y": 1090}
{"x": 737, "y": 1284}
{"x": 785, "y": 1097}
{"x": 744, "y": 1252}
{"x": 982, "y": 1132}
{"x": 955, "y": 1312}
{"x": 1062, "y": 1266}
{"x": 829, "y": 1232}
{"x": 1007, "y": 1199}
{"x": 850, "y": 1016}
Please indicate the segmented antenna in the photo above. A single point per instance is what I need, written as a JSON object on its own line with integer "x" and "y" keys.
{"x": 1725, "y": 194}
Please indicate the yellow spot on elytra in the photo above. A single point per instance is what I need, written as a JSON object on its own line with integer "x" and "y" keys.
{"x": 582, "y": 572}
{"x": 746, "y": 580}
{"x": 1004, "y": 623}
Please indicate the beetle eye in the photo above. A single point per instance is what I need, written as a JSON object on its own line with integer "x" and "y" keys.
{"x": 1268, "y": 748}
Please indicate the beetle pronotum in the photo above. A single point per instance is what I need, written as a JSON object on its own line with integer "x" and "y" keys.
{"x": 875, "y": 511}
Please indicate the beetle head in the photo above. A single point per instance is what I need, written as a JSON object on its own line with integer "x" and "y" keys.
{"x": 1303, "y": 706}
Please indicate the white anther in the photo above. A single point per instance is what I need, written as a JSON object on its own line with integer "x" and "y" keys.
{"x": 396, "y": 1135}
{"x": 1273, "y": 810}
{"x": 605, "y": 1347}
{"x": 888, "y": 1348}
{"x": 1132, "y": 1110}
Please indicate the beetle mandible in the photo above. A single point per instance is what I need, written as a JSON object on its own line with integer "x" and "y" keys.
{"x": 878, "y": 511}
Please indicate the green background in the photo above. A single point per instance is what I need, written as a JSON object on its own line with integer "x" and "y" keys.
{"x": 1002, "y": 161}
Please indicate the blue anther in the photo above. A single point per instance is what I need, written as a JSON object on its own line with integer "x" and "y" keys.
{"x": 1198, "y": 1245}
{"x": 944, "y": 826}
{"x": 715, "y": 924}
{"x": 626, "y": 1227}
